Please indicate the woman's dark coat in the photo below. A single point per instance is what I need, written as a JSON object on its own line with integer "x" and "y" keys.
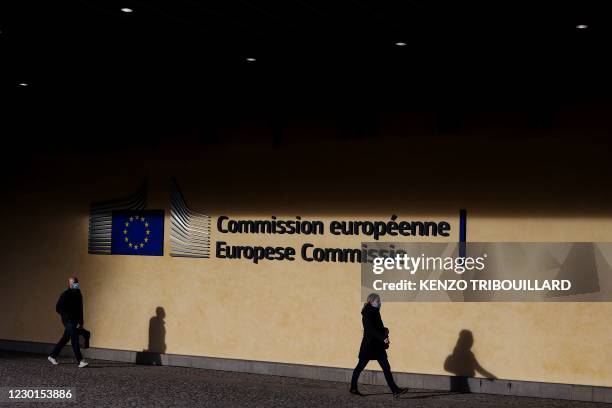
{"x": 374, "y": 333}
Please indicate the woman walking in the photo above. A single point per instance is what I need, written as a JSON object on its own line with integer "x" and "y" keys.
{"x": 373, "y": 345}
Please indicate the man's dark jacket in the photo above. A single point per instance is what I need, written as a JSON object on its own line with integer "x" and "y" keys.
{"x": 374, "y": 333}
{"x": 70, "y": 305}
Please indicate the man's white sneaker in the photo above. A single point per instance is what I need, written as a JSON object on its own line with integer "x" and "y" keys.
{"x": 52, "y": 360}
{"x": 83, "y": 363}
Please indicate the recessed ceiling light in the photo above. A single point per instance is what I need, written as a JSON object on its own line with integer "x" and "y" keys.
{"x": 251, "y": 59}
{"x": 582, "y": 26}
{"x": 23, "y": 84}
{"x": 127, "y": 10}
{"x": 400, "y": 44}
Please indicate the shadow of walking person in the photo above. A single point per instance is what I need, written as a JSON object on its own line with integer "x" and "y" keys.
{"x": 157, "y": 340}
{"x": 463, "y": 364}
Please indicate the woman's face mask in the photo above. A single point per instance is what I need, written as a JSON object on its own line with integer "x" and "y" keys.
{"x": 377, "y": 304}
{"x": 74, "y": 285}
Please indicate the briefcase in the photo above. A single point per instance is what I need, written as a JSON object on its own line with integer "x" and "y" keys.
{"x": 84, "y": 336}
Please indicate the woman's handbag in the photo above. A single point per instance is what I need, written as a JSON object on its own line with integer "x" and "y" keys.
{"x": 387, "y": 335}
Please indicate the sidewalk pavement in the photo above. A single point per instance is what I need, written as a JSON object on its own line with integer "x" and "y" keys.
{"x": 116, "y": 384}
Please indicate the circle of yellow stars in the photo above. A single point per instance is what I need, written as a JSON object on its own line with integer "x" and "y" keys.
{"x": 136, "y": 245}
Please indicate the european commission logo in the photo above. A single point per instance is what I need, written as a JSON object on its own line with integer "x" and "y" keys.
{"x": 124, "y": 227}
{"x": 139, "y": 232}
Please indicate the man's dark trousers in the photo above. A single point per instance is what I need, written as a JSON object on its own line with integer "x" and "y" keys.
{"x": 70, "y": 333}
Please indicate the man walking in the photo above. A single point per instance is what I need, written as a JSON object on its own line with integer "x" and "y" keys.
{"x": 70, "y": 307}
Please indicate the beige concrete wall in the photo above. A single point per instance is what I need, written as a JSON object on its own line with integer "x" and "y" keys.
{"x": 300, "y": 312}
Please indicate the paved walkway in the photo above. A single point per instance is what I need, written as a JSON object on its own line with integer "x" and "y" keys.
{"x": 115, "y": 384}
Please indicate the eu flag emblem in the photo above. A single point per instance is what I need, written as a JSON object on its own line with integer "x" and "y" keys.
{"x": 137, "y": 232}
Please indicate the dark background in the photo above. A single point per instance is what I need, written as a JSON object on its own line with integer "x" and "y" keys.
{"x": 497, "y": 106}
{"x": 99, "y": 78}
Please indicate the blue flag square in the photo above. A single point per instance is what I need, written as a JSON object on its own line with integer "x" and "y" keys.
{"x": 137, "y": 232}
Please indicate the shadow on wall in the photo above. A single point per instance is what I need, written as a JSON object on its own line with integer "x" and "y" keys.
{"x": 157, "y": 340}
{"x": 463, "y": 364}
